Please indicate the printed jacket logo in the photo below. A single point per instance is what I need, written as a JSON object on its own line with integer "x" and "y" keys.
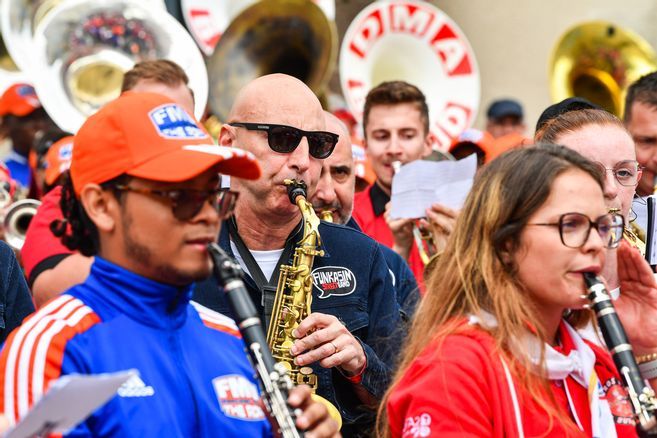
{"x": 238, "y": 397}
{"x": 135, "y": 387}
{"x": 172, "y": 121}
{"x": 334, "y": 281}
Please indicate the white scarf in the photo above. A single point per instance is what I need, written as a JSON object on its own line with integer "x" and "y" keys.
{"x": 579, "y": 364}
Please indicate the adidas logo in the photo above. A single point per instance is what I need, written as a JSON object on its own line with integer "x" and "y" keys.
{"x": 135, "y": 387}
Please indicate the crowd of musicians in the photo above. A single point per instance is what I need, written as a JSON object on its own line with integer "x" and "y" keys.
{"x": 500, "y": 334}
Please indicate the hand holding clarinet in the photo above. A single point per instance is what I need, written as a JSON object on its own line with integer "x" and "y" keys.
{"x": 636, "y": 276}
{"x": 291, "y": 409}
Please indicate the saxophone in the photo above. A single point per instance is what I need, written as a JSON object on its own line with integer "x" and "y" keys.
{"x": 633, "y": 234}
{"x": 294, "y": 295}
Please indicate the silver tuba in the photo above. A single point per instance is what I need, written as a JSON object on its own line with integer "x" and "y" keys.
{"x": 17, "y": 219}
{"x": 78, "y": 50}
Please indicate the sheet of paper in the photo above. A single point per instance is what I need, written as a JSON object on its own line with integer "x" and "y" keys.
{"x": 421, "y": 183}
{"x": 68, "y": 402}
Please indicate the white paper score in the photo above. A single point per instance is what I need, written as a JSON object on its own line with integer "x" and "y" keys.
{"x": 68, "y": 402}
{"x": 422, "y": 183}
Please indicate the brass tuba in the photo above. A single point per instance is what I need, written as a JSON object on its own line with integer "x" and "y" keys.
{"x": 598, "y": 60}
{"x": 273, "y": 36}
{"x": 78, "y": 50}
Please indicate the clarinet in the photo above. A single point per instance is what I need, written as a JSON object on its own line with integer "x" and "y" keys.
{"x": 642, "y": 397}
{"x": 273, "y": 377}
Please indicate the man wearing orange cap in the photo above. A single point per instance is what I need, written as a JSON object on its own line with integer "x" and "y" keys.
{"x": 23, "y": 119}
{"x": 144, "y": 198}
{"x": 49, "y": 266}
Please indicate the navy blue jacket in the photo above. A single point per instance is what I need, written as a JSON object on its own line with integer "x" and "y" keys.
{"x": 353, "y": 283}
{"x": 15, "y": 299}
{"x": 408, "y": 294}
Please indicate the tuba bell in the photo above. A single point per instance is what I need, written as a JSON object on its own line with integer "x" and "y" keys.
{"x": 597, "y": 61}
{"x": 78, "y": 50}
{"x": 274, "y": 36}
{"x": 17, "y": 219}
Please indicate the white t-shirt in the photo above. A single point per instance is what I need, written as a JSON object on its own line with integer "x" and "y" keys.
{"x": 266, "y": 260}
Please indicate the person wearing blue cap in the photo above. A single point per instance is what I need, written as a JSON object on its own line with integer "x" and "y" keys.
{"x": 505, "y": 116}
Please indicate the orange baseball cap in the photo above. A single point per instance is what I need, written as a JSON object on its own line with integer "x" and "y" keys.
{"x": 58, "y": 159}
{"x": 19, "y": 100}
{"x": 506, "y": 143}
{"x": 149, "y": 136}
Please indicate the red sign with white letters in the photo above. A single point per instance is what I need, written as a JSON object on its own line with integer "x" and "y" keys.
{"x": 415, "y": 42}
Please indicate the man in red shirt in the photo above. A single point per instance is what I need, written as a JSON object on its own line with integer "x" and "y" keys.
{"x": 396, "y": 128}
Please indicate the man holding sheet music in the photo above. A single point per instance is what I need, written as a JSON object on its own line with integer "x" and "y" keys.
{"x": 396, "y": 127}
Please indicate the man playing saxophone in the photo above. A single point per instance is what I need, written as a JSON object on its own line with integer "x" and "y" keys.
{"x": 349, "y": 338}
{"x": 143, "y": 168}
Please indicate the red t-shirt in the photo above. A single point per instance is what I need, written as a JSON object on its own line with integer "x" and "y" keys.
{"x": 463, "y": 388}
{"x": 370, "y": 219}
{"x": 42, "y": 250}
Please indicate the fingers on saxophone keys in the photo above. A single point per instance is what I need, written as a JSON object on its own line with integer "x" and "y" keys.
{"x": 317, "y": 354}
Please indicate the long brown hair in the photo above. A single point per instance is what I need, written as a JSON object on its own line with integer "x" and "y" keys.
{"x": 475, "y": 272}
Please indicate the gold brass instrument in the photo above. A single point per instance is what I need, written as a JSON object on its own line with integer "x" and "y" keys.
{"x": 598, "y": 60}
{"x": 273, "y": 36}
{"x": 17, "y": 219}
{"x": 633, "y": 234}
{"x": 294, "y": 295}
{"x": 78, "y": 50}
{"x": 326, "y": 215}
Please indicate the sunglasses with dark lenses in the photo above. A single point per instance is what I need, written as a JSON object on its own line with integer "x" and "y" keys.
{"x": 285, "y": 139}
{"x": 575, "y": 228}
{"x": 187, "y": 203}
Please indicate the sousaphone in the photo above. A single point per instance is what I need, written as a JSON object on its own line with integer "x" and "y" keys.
{"x": 598, "y": 60}
{"x": 80, "y": 49}
{"x": 273, "y": 36}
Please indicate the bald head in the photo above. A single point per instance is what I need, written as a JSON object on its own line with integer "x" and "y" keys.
{"x": 270, "y": 100}
{"x": 271, "y": 94}
{"x": 335, "y": 189}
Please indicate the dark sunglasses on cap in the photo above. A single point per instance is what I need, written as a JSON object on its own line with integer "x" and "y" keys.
{"x": 285, "y": 139}
{"x": 187, "y": 203}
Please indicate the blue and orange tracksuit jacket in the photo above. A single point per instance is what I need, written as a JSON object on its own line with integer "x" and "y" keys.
{"x": 194, "y": 377}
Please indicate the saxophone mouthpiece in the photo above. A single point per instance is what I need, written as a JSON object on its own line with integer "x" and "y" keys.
{"x": 295, "y": 189}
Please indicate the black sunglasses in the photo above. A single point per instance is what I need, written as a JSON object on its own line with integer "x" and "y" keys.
{"x": 186, "y": 203}
{"x": 285, "y": 139}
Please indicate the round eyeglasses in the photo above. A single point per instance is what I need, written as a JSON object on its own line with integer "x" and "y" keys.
{"x": 575, "y": 228}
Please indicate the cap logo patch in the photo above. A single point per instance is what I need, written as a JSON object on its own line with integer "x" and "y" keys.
{"x": 171, "y": 121}
{"x": 334, "y": 280}
{"x": 66, "y": 152}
